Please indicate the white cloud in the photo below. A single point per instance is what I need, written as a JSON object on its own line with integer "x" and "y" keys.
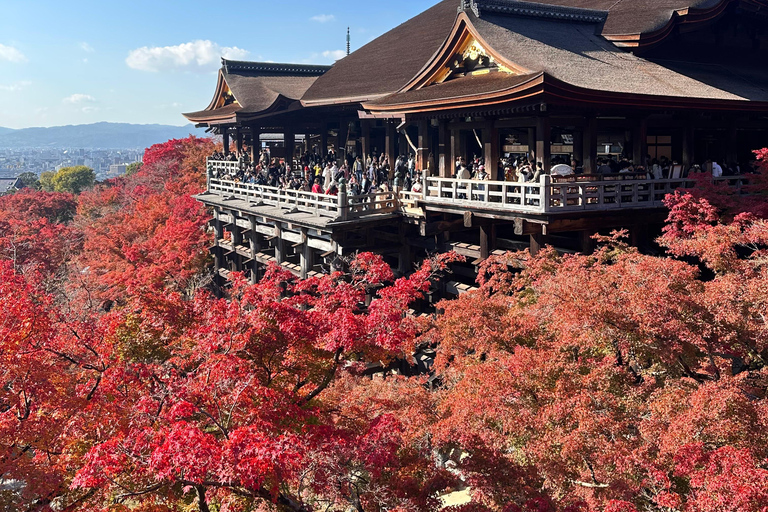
{"x": 334, "y": 54}
{"x": 86, "y": 47}
{"x": 15, "y": 87}
{"x": 323, "y": 18}
{"x": 77, "y": 99}
{"x": 201, "y": 56}
{"x": 11, "y": 54}
{"x": 88, "y": 110}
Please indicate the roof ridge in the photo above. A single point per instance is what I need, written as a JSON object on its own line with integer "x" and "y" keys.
{"x": 273, "y": 67}
{"x": 537, "y": 10}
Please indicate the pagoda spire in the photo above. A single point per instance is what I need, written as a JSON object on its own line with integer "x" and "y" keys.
{"x": 349, "y": 40}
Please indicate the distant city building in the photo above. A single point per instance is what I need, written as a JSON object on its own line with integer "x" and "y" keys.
{"x": 116, "y": 170}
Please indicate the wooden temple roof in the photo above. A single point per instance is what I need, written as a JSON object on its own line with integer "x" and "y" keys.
{"x": 254, "y": 88}
{"x": 638, "y": 23}
{"x": 560, "y": 50}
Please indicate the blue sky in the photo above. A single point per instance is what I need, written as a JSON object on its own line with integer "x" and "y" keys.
{"x": 146, "y": 61}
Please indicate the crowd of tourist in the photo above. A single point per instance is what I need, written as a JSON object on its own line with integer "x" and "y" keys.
{"x": 322, "y": 174}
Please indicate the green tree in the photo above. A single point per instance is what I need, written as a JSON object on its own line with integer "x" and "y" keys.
{"x": 73, "y": 179}
{"x": 133, "y": 168}
{"x": 30, "y": 180}
{"x": 46, "y": 181}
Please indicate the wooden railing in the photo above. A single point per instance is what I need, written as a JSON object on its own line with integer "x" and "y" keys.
{"x": 551, "y": 194}
{"x": 321, "y": 205}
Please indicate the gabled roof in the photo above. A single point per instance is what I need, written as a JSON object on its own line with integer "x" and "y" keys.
{"x": 565, "y": 48}
{"x": 387, "y": 63}
{"x": 253, "y": 88}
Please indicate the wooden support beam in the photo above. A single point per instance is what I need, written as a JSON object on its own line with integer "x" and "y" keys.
{"x": 390, "y": 141}
{"x": 225, "y": 137}
{"x": 444, "y": 164}
{"x": 422, "y": 150}
{"x": 306, "y": 256}
{"x": 688, "y": 145}
{"x": 255, "y": 244}
{"x": 255, "y": 145}
{"x": 279, "y": 245}
{"x": 491, "y": 151}
{"x": 538, "y": 241}
{"x": 589, "y": 148}
{"x": 487, "y": 240}
{"x": 544, "y": 142}
{"x": 289, "y": 140}
{"x": 239, "y": 140}
{"x": 640, "y": 141}
{"x": 324, "y": 140}
{"x": 365, "y": 138}
{"x": 455, "y": 151}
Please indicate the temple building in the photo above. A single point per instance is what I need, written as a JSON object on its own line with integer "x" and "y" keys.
{"x": 550, "y": 80}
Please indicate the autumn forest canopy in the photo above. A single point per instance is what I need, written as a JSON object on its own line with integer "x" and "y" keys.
{"x": 610, "y": 382}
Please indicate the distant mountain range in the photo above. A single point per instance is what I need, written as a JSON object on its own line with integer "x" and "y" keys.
{"x": 99, "y": 135}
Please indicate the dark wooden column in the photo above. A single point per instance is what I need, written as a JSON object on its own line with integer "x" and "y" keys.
{"x": 640, "y": 141}
{"x": 538, "y": 241}
{"x": 589, "y": 147}
{"x": 289, "y": 141}
{"x": 422, "y": 152}
{"x": 444, "y": 164}
{"x": 255, "y": 145}
{"x": 306, "y": 257}
{"x": 365, "y": 138}
{"x": 225, "y": 137}
{"x": 237, "y": 239}
{"x": 532, "y": 143}
{"x": 390, "y": 141}
{"x": 688, "y": 145}
{"x": 544, "y": 142}
{"x": 341, "y": 151}
{"x": 455, "y": 151}
{"x": 578, "y": 145}
{"x": 587, "y": 243}
{"x": 491, "y": 150}
{"x": 239, "y": 140}
{"x": 255, "y": 243}
{"x": 279, "y": 245}
{"x": 487, "y": 240}
{"x": 323, "y": 140}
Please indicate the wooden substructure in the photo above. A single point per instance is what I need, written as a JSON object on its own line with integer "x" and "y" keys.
{"x": 309, "y": 234}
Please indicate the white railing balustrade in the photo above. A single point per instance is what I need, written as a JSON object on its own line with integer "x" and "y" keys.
{"x": 551, "y": 194}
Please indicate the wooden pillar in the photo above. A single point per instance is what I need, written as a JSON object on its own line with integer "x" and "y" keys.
{"x": 589, "y": 148}
{"x": 279, "y": 245}
{"x": 255, "y": 244}
{"x": 532, "y": 144}
{"x": 587, "y": 243}
{"x": 365, "y": 138}
{"x": 688, "y": 145}
{"x": 306, "y": 256}
{"x": 455, "y": 151}
{"x": 239, "y": 140}
{"x": 237, "y": 239}
{"x": 289, "y": 141}
{"x": 491, "y": 150}
{"x": 487, "y": 240}
{"x": 225, "y": 136}
{"x": 544, "y": 142}
{"x": 578, "y": 145}
{"x": 422, "y": 151}
{"x": 444, "y": 164}
{"x": 255, "y": 145}
{"x": 341, "y": 151}
{"x": 390, "y": 139}
{"x": 323, "y": 141}
{"x": 538, "y": 241}
{"x": 640, "y": 141}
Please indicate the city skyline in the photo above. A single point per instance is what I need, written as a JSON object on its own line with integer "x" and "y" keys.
{"x": 148, "y": 62}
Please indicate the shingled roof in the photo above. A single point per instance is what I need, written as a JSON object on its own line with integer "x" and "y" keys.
{"x": 387, "y": 63}
{"x": 258, "y": 87}
{"x": 629, "y": 22}
{"x": 564, "y": 46}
